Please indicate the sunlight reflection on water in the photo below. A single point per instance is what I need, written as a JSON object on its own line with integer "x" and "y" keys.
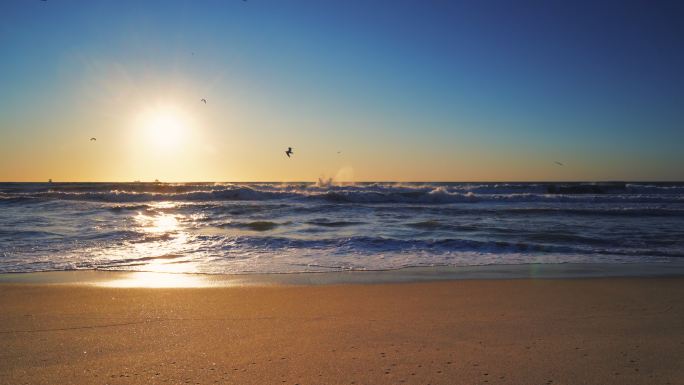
{"x": 164, "y": 254}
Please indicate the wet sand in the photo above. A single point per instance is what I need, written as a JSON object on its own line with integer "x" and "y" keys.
{"x": 581, "y": 331}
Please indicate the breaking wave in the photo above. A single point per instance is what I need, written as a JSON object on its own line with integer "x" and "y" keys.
{"x": 359, "y": 193}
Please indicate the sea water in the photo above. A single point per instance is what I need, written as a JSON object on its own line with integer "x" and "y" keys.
{"x": 309, "y": 227}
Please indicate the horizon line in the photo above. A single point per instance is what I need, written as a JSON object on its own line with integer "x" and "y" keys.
{"x": 367, "y": 181}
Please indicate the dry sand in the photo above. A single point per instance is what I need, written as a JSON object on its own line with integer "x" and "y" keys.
{"x": 586, "y": 331}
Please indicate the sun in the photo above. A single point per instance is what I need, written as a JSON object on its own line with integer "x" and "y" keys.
{"x": 163, "y": 127}
{"x": 164, "y": 141}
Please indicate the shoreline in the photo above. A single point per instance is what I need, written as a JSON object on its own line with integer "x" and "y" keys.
{"x": 114, "y": 278}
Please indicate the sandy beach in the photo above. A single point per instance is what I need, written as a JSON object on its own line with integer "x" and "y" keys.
{"x": 341, "y": 192}
{"x": 581, "y": 331}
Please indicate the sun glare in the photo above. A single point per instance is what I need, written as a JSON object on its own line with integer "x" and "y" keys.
{"x": 163, "y": 127}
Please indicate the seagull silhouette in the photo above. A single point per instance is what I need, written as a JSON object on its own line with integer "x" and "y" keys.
{"x": 289, "y": 152}
{"x": 93, "y": 139}
{"x": 559, "y": 163}
{"x": 203, "y": 100}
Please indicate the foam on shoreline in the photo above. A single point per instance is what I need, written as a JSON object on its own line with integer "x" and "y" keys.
{"x": 125, "y": 279}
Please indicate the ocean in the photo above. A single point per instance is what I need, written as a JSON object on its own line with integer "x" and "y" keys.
{"x": 317, "y": 227}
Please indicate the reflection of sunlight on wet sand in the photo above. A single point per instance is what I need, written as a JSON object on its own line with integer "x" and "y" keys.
{"x": 159, "y": 280}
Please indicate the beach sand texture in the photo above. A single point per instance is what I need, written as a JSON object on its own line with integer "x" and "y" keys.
{"x": 583, "y": 331}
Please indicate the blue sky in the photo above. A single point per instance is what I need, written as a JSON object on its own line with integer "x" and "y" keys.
{"x": 410, "y": 90}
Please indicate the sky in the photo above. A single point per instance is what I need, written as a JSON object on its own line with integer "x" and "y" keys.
{"x": 363, "y": 90}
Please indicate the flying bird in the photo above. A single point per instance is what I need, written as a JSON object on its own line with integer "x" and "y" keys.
{"x": 559, "y": 163}
{"x": 203, "y": 100}
{"x": 289, "y": 152}
{"x": 93, "y": 139}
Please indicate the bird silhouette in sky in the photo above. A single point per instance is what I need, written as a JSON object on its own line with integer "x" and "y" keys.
{"x": 559, "y": 163}
{"x": 93, "y": 139}
{"x": 203, "y": 100}
{"x": 289, "y": 152}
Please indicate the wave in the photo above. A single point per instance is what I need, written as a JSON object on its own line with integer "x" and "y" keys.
{"x": 143, "y": 260}
{"x": 245, "y": 246}
{"x": 126, "y": 208}
{"x": 431, "y": 224}
{"x": 372, "y": 193}
{"x": 441, "y": 195}
{"x": 436, "y": 196}
{"x": 595, "y": 210}
{"x": 375, "y": 244}
{"x": 328, "y": 223}
{"x": 28, "y": 234}
{"x": 245, "y": 227}
{"x": 254, "y": 226}
{"x": 118, "y": 196}
{"x": 250, "y": 253}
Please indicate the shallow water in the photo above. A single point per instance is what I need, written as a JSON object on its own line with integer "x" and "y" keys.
{"x": 304, "y": 227}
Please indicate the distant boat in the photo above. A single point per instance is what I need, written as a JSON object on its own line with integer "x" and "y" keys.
{"x": 49, "y": 180}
